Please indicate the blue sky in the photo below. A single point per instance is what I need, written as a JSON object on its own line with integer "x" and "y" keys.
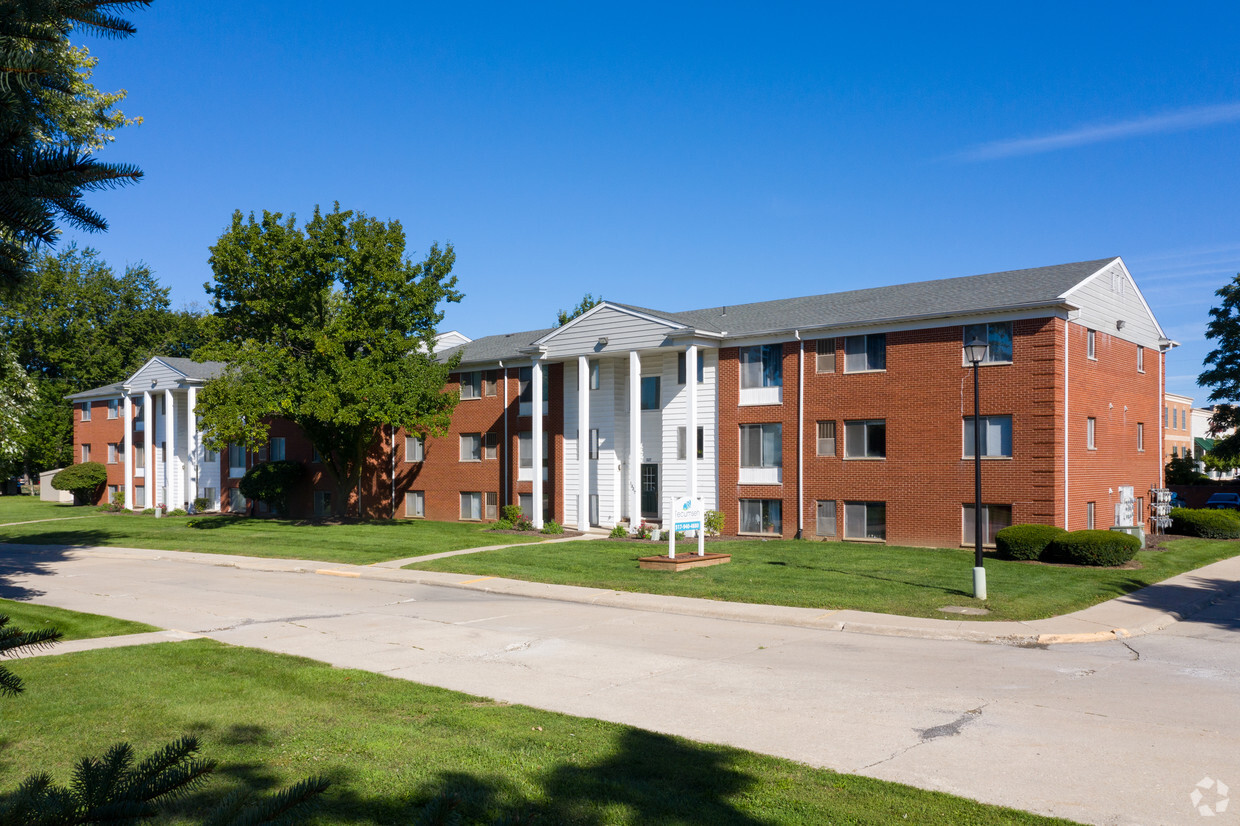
{"x": 684, "y": 156}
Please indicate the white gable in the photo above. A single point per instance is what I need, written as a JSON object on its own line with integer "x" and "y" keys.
{"x": 1110, "y": 302}
{"x": 155, "y": 375}
{"x": 624, "y": 330}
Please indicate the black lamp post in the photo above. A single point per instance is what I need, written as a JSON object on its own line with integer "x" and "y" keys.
{"x": 974, "y": 352}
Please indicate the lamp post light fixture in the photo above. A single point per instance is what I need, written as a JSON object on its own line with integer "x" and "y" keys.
{"x": 974, "y": 352}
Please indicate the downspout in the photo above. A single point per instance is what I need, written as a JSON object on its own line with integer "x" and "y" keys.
{"x": 800, "y": 435}
{"x": 503, "y": 479}
{"x": 392, "y": 440}
{"x": 1162, "y": 400}
{"x": 1067, "y": 327}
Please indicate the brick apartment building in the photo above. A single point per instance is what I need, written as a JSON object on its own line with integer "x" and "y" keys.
{"x": 842, "y": 416}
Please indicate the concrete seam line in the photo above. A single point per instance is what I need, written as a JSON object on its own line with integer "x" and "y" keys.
{"x": 1090, "y": 636}
{"x": 329, "y": 572}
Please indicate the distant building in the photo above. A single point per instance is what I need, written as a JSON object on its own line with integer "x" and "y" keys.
{"x": 1177, "y": 426}
{"x": 841, "y": 416}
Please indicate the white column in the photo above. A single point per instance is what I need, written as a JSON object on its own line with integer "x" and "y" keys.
{"x": 127, "y": 446}
{"x": 191, "y": 445}
{"x": 583, "y": 443}
{"x": 148, "y": 439}
{"x": 691, "y": 361}
{"x": 170, "y": 448}
{"x": 536, "y": 440}
{"x": 635, "y": 439}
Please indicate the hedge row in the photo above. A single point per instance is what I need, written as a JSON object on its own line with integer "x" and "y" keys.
{"x": 1206, "y": 523}
{"x": 1051, "y": 544}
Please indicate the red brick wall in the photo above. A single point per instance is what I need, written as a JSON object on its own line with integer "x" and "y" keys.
{"x": 924, "y": 395}
{"x": 99, "y": 432}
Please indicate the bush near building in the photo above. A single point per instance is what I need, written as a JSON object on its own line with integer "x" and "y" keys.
{"x": 1025, "y": 542}
{"x": 1099, "y": 548}
{"x": 83, "y": 480}
{"x": 1207, "y": 523}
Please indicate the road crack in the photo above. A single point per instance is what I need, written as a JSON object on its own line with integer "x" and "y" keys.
{"x": 928, "y": 735}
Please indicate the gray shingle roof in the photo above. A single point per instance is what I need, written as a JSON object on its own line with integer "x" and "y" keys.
{"x": 945, "y": 296}
{"x": 195, "y": 369}
{"x": 495, "y": 348}
{"x": 99, "y": 392}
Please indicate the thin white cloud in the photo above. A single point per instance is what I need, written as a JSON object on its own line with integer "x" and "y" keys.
{"x": 1183, "y": 120}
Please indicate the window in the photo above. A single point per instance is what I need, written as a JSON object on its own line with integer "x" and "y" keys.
{"x": 85, "y": 453}
{"x": 413, "y": 448}
{"x": 525, "y": 449}
{"x": 113, "y": 451}
{"x": 209, "y": 495}
{"x": 236, "y": 502}
{"x": 594, "y": 509}
{"x": 826, "y": 518}
{"x": 1089, "y": 516}
{"x": 1091, "y": 345}
{"x": 471, "y": 447}
{"x": 701, "y": 442}
{"x": 1091, "y": 428}
{"x": 490, "y": 446}
{"x": 1141, "y": 437}
{"x": 209, "y": 456}
{"x": 1140, "y": 359}
{"x": 276, "y": 453}
{"x": 762, "y": 446}
{"x": 996, "y": 437}
{"x": 865, "y": 440}
{"x": 525, "y": 385}
{"x": 994, "y": 519}
{"x": 139, "y": 455}
{"x": 826, "y": 438}
{"x": 489, "y": 381}
{"x": 471, "y": 505}
{"x": 315, "y": 456}
{"x": 139, "y": 497}
{"x": 865, "y": 520}
{"x": 492, "y": 504}
{"x": 594, "y": 377}
{"x": 1166, "y": 415}
{"x": 761, "y": 516}
{"x": 651, "y": 393}
{"x": 260, "y": 455}
{"x": 322, "y": 503}
{"x": 681, "y": 446}
{"x": 114, "y": 491}
{"x": 824, "y": 361}
{"x": 525, "y": 501}
{"x": 762, "y": 366}
{"x": 862, "y": 353}
{"x": 998, "y": 336}
{"x": 415, "y": 503}
{"x": 682, "y": 359}
{"x": 112, "y": 406}
{"x": 471, "y": 384}
{"x": 86, "y": 411}
{"x": 594, "y": 443}
{"x": 236, "y": 459}
{"x": 1175, "y": 418}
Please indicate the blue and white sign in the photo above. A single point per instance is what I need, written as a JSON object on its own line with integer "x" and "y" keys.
{"x": 687, "y": 515}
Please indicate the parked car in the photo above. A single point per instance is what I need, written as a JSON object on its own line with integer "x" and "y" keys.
{"x": 1224, "y": 501}
{"x": 1177, "y": 501}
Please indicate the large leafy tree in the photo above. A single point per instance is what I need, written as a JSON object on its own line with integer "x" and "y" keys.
{"x": 51, "y": 119}
{"x": 17, "y": 396}
{"x": 330, "y": 326}
{"x": 76, "y": 325}
{"x": 587, "y": 301}
{"x": 1222, "y": 373}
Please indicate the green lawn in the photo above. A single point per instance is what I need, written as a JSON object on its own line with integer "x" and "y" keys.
{"x": 73, "y": 625}
{"x": 360, "y": 543}
{"x": 23, "y": 508}
{"x": 389, "y": 746}
{"x": 914, "y": 582}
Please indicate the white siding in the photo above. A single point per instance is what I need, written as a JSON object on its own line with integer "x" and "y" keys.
{"x": 156, "y": 371}
{"x": 623, "y": 332}
{"x": 604, "y": 471}
{"x": 1102, "y": 305}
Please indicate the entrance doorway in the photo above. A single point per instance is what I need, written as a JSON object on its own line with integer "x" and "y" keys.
{"x": 650, "y": 491}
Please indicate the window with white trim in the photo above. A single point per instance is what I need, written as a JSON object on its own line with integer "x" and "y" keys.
{"x": 471, "y": 447}
{"x": 682, "y": 360}
{"x": 680, "y": 442}
{"x": 1091, "y": 344}
{"x": 139, "y": 497}
{"x": 762, "y": 366}
{"x": 651, "y": 392}
{"x": 865, "y": 520}
{"x": 525, "y": 449}
{"x": 994, "y": 519}
{"x": 826, "y": 438}
{"x": 113, "y": 405}
{"x": 996, "y": 437}
{"x": 1089, "y": 516}
{"x": 866, "y": 353}
{"x": 594, "y": 443}
{"x": 865, "y": 439}
{"x": 415, "y": 503}
{"x": 826, "y": 518}
{"x": 413, "y": 448}
{"x": 471, "y": 384}
{"x": 824, "y": 355}
{"x": 1141, "y": 437}
{"x": 86, "y": 453}
{"x": 139, "y": 456}
{"x": 594, "y": 374}
{"x": 276, "y": 453}
{"x": 114, "y": 451}
{"x": 86, "y": 411}
{"x": 1140, "y": 359}
{"x": 490, "y": 445}
{"x": 761, "y": 516}
{"x": 492, "y": 504}
{"x": 998, "y": 338}
{"x": 471, "y": 505}
{"x": 490, "y": 379}
{"x": 1091, "y": 431}
{"x": 761, "y": 453}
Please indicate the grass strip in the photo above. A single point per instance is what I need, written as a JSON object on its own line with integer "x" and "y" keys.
{"x": 358, "y": 543}
{"x": 390, "y": 746}
{"x": 914, "y": 582}
{"x": 73, "y": 625}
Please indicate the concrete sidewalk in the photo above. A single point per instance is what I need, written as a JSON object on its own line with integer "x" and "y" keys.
{"x": 1141, "y": 612}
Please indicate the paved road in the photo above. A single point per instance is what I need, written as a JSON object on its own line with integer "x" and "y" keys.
{"x": 1110, "y": 733}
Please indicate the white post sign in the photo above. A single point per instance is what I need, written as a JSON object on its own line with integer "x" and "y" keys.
{"x": 687, "y": 514}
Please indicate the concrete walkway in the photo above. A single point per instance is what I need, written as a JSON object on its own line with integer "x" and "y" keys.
{"x": 400, "y": 563}
{"x": 1142, "y": 612}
